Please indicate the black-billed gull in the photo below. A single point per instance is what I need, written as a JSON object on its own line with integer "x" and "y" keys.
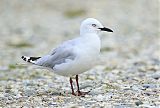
{"x": 74, "y": 56}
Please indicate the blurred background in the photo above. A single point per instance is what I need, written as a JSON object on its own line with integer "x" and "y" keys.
{"x": 35, "y": 27}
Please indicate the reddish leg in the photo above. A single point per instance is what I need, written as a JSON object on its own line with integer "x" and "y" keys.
{"x": 71, "y": 83}
{"x": 78, "y": 90}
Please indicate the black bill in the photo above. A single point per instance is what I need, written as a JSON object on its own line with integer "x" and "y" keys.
{"x": 106, "y": 29}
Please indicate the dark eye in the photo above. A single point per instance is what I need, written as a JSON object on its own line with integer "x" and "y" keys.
{"x": 94, "y": 25}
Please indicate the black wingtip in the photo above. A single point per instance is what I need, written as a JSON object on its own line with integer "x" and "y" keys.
{"x": 23, "y": 58}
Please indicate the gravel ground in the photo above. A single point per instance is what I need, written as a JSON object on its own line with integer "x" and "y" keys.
{"x": 130, "y": 76}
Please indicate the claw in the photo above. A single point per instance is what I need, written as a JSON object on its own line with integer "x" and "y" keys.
{"x": 82, "y": 93}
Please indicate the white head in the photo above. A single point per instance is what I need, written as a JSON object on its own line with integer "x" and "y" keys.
{"x": 91, "y": 25}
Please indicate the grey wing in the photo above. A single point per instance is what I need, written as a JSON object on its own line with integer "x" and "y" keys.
{"x": 58, "y": 56}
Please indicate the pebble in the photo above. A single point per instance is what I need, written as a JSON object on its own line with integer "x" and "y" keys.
{"x": 156, "y": 75}
{"x": 149, "y": 86}
{"x": 29, "y": 92}
{"x": 138, "y": 103}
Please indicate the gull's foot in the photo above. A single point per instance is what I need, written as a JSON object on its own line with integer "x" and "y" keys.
{"x": 74, "y": 94}
{"x": 79, "y": 93}
{"x": 82, "y": 93}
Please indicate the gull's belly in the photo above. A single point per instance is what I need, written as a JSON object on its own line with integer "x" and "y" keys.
{"x": 82, "y": 63}
{"x": 75, "y": 67}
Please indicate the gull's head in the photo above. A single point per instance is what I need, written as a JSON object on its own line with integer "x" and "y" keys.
{"x": 91, "y": 25}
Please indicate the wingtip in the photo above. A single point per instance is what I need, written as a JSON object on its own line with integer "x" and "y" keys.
{"x": 23, "y": 58}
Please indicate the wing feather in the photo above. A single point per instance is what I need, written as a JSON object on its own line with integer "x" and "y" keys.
{"x": 58, "y": 56}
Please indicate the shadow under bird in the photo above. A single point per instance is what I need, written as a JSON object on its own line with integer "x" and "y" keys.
{"x": 74, "y": 56}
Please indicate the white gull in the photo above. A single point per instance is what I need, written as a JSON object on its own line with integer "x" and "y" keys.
{"x": 74, "y": 56}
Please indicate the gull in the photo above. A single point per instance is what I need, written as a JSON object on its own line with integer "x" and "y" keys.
{"x": 75, "y": 56}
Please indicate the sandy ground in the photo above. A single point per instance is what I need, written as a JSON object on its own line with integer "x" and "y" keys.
{"x": 129, "y": 78}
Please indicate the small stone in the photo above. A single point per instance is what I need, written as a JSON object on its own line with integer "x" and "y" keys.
{"x": 156, "y": 75}
{"x": 149, "y": 86}
{"x": 100, "y": 97}
{"x": 29, "y": 92}
{"x": 139, "y": 103}
{"x": 52, "y": 104}
{"x": 7, "y": 91}
{"x": 138, "y": 88}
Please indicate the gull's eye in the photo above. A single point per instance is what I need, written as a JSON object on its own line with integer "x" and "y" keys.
{"x": 94, "y": 25}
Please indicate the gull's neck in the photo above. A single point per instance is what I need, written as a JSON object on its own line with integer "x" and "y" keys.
{"x": 90, "y": 36}
{"x": 92, "y": 40}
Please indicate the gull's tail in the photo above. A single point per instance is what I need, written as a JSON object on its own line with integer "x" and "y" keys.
{"x": 30, "y": 59}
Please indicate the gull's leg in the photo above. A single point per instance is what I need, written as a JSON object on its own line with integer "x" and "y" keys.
{"x": 78, "y": 90}
{"x": 71, "y": 83}
{"x": 77, "y": 84}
